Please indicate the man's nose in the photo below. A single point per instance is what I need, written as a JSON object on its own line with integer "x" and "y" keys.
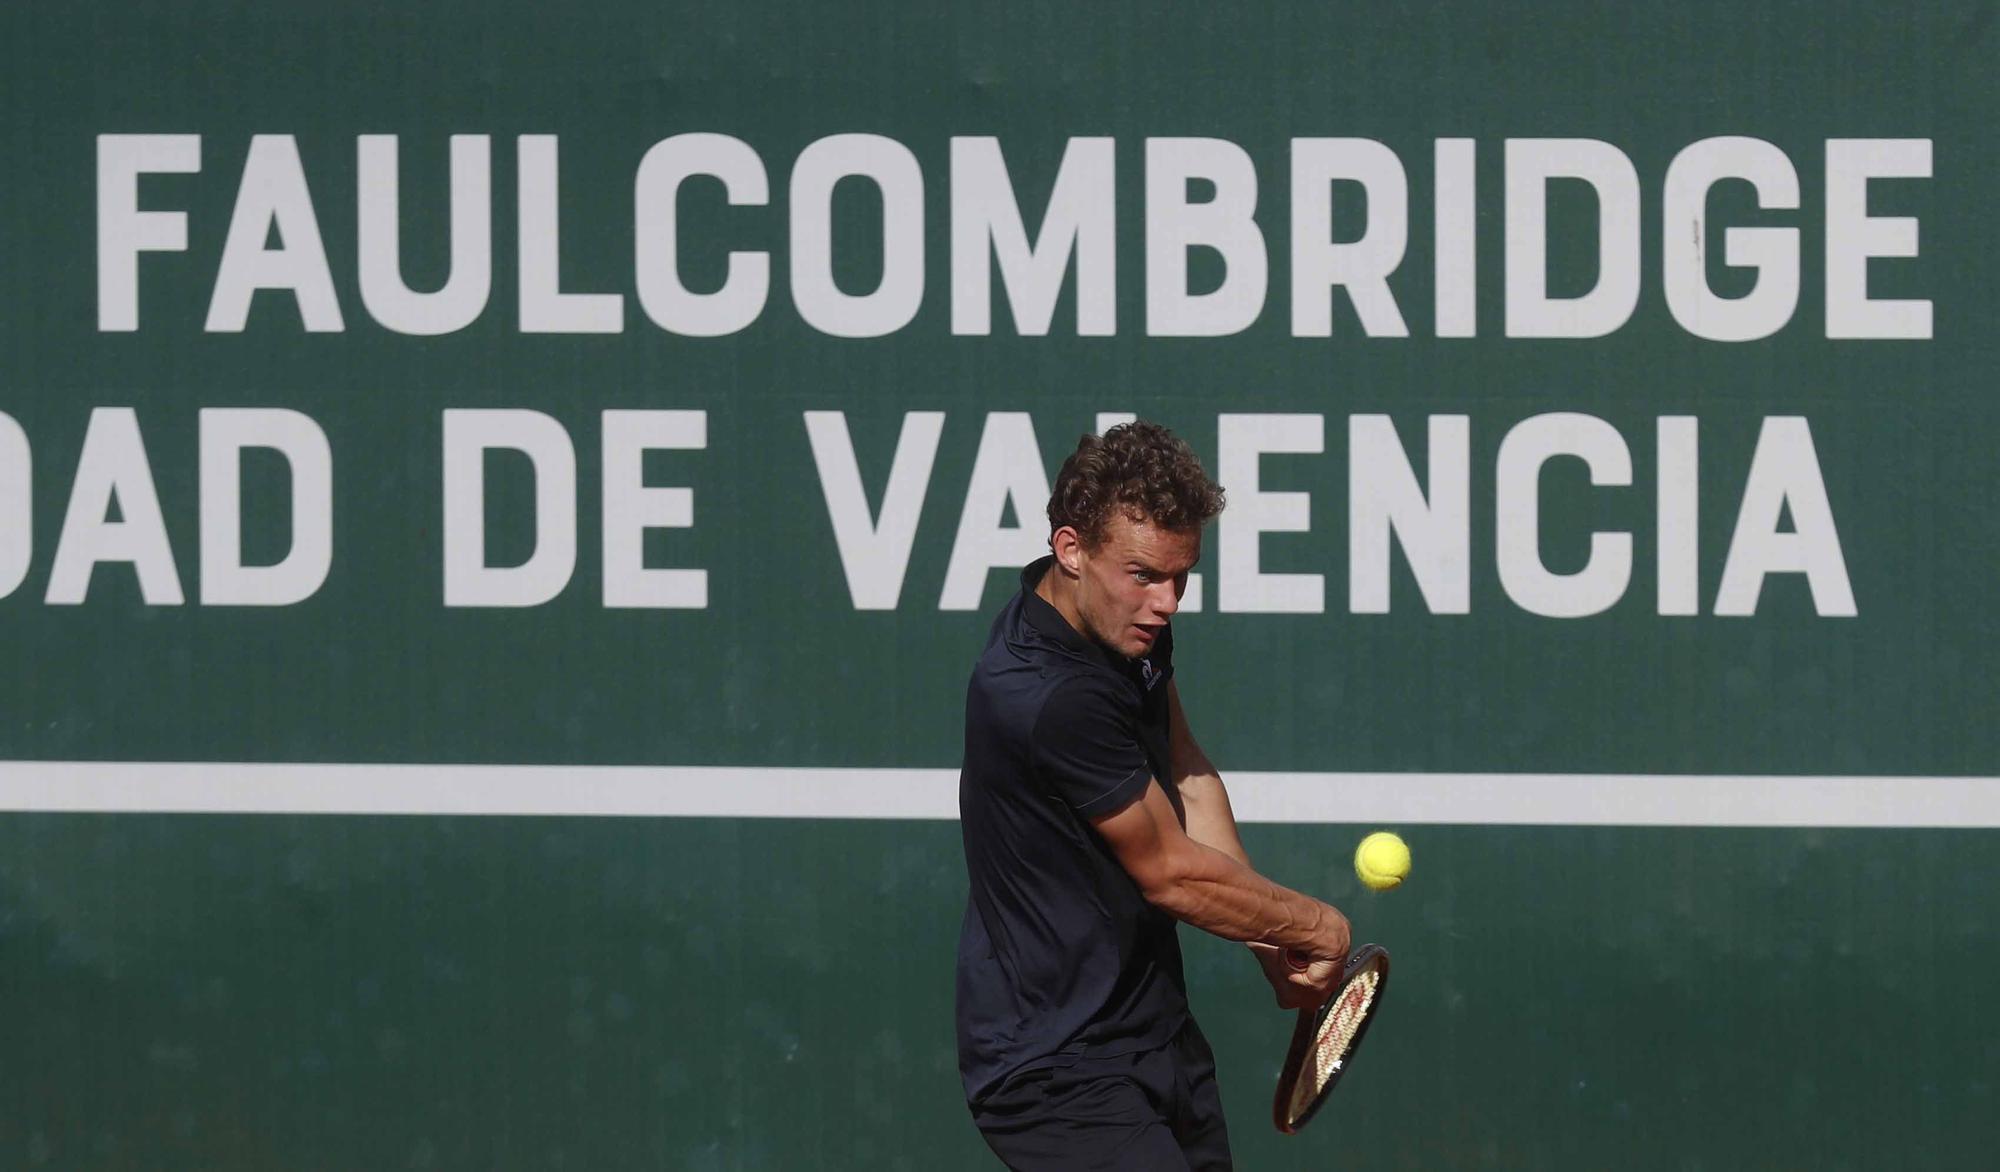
{"x": 1166, "y": 598}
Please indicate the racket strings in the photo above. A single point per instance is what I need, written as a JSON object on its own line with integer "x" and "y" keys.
{"x": 1335, "y": 1038}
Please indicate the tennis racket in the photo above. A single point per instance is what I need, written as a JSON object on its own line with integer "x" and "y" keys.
{"x": 1324, "y": 1041}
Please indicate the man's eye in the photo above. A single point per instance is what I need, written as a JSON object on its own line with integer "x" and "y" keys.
{"x": 1144, "y": 577}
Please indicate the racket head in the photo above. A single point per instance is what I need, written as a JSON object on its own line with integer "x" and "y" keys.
{"x": 1313, "y": 1065}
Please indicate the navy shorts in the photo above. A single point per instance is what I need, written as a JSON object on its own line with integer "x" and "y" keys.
{"x": 1156, "y": 1111}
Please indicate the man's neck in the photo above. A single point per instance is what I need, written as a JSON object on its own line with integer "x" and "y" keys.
{"x": 1058, "y": 591}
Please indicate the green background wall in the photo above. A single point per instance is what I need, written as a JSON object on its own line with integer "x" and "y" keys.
{"x": 344, "y": 992}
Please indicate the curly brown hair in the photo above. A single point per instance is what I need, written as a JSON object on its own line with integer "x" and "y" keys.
{"x": 1139, "y": 468}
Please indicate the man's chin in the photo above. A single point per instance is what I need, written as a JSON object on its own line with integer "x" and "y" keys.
{"x": 1130, "y": 647}
{"x": 1136, "y": 645}
{"x": 1131, "y": 643}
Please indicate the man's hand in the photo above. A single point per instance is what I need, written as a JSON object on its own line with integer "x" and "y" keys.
{"x": 1308, "y": 987}
{"x": 1292, "y": 993}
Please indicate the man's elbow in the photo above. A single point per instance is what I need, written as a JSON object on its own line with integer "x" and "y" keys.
{"x": 1202, "y": 792}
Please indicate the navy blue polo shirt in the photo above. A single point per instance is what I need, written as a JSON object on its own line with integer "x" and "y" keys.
{"x": 1059, "y": 954}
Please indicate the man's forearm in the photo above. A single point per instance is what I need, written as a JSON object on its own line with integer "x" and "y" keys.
{"x": 1221, "y": 895}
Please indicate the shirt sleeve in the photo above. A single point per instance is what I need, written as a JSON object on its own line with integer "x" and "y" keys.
{"x": 1087, "y": 748}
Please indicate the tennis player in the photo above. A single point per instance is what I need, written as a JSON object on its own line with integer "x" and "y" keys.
{"x": 1093, "y": 825}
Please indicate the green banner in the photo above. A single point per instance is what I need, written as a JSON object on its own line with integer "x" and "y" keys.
{"x": 498, "y": 505}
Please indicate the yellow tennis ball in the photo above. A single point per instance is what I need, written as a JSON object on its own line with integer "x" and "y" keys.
{"x": 1382, "y": 860}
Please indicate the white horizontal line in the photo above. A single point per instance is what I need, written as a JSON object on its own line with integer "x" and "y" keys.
{"x": 1557, "y": 799}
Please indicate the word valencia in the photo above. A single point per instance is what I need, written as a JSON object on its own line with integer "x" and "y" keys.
{"x": 1389, "y": 506}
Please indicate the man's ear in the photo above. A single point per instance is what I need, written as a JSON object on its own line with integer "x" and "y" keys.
{"x": 1068, "y": 548}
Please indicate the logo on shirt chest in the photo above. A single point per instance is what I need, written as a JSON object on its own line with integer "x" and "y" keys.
{"x": 1149, "y": 674}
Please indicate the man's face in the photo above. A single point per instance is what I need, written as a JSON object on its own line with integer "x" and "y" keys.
{"x": 1131, "y": 584}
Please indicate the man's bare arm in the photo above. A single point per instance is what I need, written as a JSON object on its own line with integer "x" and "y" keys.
{"x": 1210, "y": 820}
{"x": 1214, "y": 891}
